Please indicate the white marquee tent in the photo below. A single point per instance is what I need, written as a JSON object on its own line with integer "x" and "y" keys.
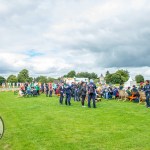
{"x": 130, "y": 83}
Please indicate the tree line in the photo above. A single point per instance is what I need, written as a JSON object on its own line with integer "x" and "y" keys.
{"x": 23, "y": 76}
{"x": 119, "y": 77}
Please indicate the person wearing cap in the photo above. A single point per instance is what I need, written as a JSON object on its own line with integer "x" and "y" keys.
{"x": 91, "y": 93}
{"x": 147, "y": 93}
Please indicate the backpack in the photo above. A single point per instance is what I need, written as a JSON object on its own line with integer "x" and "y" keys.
{"x": 91, "y": 89}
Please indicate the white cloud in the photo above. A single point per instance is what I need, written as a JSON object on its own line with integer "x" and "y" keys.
{"x": 83, "y": 35}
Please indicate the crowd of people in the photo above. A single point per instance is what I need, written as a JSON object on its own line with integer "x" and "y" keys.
{"x": 84, "y": 91}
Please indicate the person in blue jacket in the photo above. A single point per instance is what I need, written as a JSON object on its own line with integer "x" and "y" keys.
{"x": 147, "y": 93}
{"x": 68, "y": 94}
{"x": 91, "y": 93}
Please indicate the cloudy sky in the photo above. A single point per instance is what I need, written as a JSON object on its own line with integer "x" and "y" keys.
{"x": 52, "y": 37}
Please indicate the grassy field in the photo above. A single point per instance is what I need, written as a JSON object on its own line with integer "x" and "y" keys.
{"x": 40, "y": 123}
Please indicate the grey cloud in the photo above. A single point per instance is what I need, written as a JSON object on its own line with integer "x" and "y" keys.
{"x": 84, "y": 33}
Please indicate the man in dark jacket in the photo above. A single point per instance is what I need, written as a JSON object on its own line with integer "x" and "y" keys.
{"x": 83, "y": 93}
{"x": 62, "y": 91}
{"x": 68, "y": 94}
{"x": 147, "y": 93}
{"x": 91, "y": 93}
{"x": 46, "y": 89}
{"x": 42, "y": 88}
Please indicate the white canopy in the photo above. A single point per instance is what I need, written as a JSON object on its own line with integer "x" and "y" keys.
{"x": 130, "y": 83}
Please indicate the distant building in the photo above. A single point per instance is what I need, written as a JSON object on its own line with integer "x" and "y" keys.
{"x": 102, "y": 79}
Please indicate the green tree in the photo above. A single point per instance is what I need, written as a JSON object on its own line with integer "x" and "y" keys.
{"x": 93, "y": 75}
{"x": 83, "y": 75}
{"x": 123, "y": 73}
{"x": 30, "y": 79}
{"x": 87, "y": 75}
{"x": 2, "y": 80}
{"x": 42, "y": 79}
{"x": 108, "y": 78}
{"x": 23, "y": 75}
{"x": 96, "y": 81}
{"x": 107, "y": 73}
{"x": 71, "y": 74}
{"x": 118, "y": 77}
{"x": 12, "y": 79}
{"x": 50, "y": 79}
{"x": 139, "y": 78}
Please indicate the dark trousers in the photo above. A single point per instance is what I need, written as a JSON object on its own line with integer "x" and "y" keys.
{"x": 75, "y": 96}
{"x": 83, "y": 99}
{"x": 91, "y": 96}
{"x": 147, "y": 100}
{"x": 78, "y": 97}
{"x": 61, "y": 98}
{"x": 68, "y": 98}
{"x": 46, "y": 93}
{"x": 42, "y": 90}
{"x": 38, "y": 92}
{"x": 50, "y": 93}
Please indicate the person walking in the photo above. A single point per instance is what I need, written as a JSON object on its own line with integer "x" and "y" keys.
{"x": 42, "y": 88}
{"x": 83, "y": 93}
{"x": 91, "y": 93}
{"x": 68, "y": 94}
{"x": 50, "y": 89}
{"x": 62, "y": 91}
{"x": 46, "y": 89}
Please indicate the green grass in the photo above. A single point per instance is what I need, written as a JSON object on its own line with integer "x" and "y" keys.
{"x": 40, "y": 123}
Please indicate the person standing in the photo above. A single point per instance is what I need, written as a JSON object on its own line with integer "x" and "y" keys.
{"x": 25, "y": 86}
{"x": 121, "y": 86}
{"x": 50, "y": 89}
{"x": 75, "y": 93}
{"x": 91, "y": 93}
{"x": 147, "y": 93}
{"x": 62, "y": 90}
{"x": 116, "y": 93}
{"x": 42, "y": 88}
{"x": 46, "y": 89}
{"x": 68, "y": 94}
{"x": 83, "y": 93}
{"x": 37, "y": 89}
{"x": 128, "y": 91}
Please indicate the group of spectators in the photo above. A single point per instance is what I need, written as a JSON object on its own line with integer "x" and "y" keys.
{"x": 108, "y": 92}
{"x": 77, "y": 91}
{"x": 83, "y": 90}
{"x": 29, "y": 89}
